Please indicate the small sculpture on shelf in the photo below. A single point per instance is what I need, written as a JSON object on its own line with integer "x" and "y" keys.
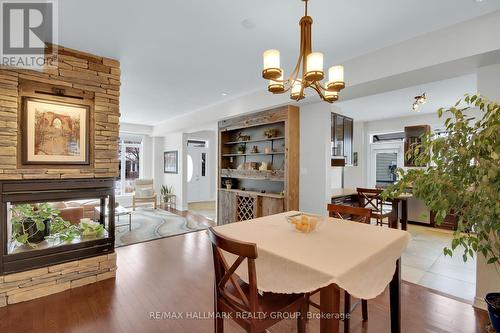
{"x": 271, "y": 133}
{"x": 228, "y": 183}
{"x": 268, "y": 150}
{"x": 264, "y": 166}
{"x": 255, "y": 150}
{"x": 241, "y": 149}
{"x": 241, "y": 166}
{"x": 253, "y": 165}
{"x": 242, "y": 137}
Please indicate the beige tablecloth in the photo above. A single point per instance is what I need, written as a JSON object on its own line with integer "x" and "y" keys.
{"x": 357, "y": 257}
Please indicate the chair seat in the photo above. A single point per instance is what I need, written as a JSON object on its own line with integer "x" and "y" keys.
{"x": 145, "y": 198}
{"x": 268, "y": 302}
{"x": 383, "y": 214}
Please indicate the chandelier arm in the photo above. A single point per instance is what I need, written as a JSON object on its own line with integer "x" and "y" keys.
{"x": 319, "y": 89}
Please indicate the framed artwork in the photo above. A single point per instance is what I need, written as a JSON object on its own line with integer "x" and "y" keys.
{"x": 170, "y": 163}
{"x": 55, "y": 133}
{"x": 355, "y": 158}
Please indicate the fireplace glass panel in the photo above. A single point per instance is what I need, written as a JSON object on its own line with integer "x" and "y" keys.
{"x": 48, "y": 224}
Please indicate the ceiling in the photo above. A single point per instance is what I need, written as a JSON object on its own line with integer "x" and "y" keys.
{"x": 179, "y": 56}
{"x": 397, "y": 103}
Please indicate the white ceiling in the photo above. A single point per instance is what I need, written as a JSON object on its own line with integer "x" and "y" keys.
{"x": 179, "y": 56}
{"x": 397, "y": 103}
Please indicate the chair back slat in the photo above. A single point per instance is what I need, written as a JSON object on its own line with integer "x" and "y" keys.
{"x": 370, "y": 198}
{"x": 225, "y": 276}
{"x": 357, "y": 214}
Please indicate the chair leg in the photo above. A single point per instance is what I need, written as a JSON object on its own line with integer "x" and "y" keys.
{"x": 219, "y": 325}
{"x": 306, "y": 306}
{"x": 364, "y": 309}
{"x": 301, "y": 321}
{"x": 347, "y": 311}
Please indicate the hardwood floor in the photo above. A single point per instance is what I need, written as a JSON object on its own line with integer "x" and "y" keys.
{"x": 175, "y": 275}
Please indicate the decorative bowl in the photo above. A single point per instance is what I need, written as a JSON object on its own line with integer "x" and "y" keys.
{"x": 305, "y": 223}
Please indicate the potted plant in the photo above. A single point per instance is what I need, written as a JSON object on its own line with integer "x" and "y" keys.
{"x": 241, "y": 149}
{"x": 31, "y": 222}
{"x": 166, "y": 193}
{"x": 462, "y": 177}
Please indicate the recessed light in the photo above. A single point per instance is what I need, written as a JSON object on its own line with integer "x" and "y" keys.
{"x": 224, "y": 94}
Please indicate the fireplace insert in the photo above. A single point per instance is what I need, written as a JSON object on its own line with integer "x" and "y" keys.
{"x": 46, "y": 222}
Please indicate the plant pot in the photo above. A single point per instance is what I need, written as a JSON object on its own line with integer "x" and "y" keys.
{"x": 34, "y": 236}
{"x": 493, "y": 301}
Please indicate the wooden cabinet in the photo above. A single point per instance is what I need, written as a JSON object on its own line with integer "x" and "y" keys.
{"x": 413, "y": 137}
{"x": 259, "y": 158}
{"x": 226, "y": 210}
{"x": 342, "y": 140}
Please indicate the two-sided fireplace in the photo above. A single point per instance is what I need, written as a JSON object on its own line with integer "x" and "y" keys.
{"x": 46, "y": 222}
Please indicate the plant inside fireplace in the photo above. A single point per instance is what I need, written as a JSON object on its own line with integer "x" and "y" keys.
{"x": 30, "y": 223}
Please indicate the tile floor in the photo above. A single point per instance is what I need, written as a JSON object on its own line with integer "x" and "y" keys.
{"x": 425, "y": 264}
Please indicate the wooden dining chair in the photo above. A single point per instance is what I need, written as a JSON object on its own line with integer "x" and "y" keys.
{"x": 355, "y": 214}
{"x": 241, "y": 301}
{"x": 370, "y": 198}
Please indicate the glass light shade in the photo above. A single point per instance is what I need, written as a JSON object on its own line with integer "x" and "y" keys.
{"x": 296, "y": 89}
{"x": 271, "y": 60}
{"x": 336, "y": 78}
{"x": 314, "y": 66}
{"x": 331, "y": 96}
{"x": 276, "y": 86}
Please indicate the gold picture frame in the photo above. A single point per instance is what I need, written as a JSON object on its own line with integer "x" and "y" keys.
{"x": 55, "y": 132}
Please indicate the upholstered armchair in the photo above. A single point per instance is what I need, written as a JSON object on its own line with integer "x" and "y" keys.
{"x": 144, "y": 192}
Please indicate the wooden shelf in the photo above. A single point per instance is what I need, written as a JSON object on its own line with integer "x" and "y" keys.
{"x": 256, "y": 140}
{"x": 254, "y": 154}
{"x": 280, "y": 153}
{"x": 272, "y": 175}
{"x": 269, "y": 195}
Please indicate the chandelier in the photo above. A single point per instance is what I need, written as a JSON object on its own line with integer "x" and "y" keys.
{"x": 311, "y": 64}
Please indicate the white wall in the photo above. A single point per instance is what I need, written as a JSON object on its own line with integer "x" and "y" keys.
{"x": 487, "y": 277}
{"x": 176, "y": 141}
{"x": 315, "y": 132}
{"x": 355, "y": 176}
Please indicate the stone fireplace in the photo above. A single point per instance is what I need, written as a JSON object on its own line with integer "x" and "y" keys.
{"x": 80, "y": 195}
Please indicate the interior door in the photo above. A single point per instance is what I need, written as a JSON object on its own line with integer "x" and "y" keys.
{"x": 385, "y": 159}
{"x": 198, "y": 182}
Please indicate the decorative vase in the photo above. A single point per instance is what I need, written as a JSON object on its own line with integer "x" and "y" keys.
{"x": 493, "y": 301}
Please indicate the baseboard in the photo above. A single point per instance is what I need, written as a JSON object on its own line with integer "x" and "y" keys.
{"x": 421, "y": 223}
{"x": 480, "y": 303}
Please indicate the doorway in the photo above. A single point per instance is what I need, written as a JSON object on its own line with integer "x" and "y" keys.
{"x": 198, "y": 180}
{"x": 385, "y": 159}
{"x": 200, "y": 173}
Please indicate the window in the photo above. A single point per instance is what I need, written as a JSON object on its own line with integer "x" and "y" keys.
{"x": 130, "y": 155}
{"x": 388, "y": 137}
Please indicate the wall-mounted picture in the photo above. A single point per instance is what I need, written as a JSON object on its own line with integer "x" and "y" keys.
{"x": 55, "y": 133}
{"x": 170, "y": 164}
{"x": 355, "y": 158}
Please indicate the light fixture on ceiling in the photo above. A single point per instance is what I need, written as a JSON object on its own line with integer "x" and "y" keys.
{"x": 419, "y": 100}
{"x": 311, "y": 65}
{"x": 224, "y": 94}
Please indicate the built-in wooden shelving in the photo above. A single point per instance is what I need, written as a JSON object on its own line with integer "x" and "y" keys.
{"x": 273, "y": 175}
{"x": 254, "y": 192}
{"x": 253, "y": 154}
{"x": 256, "y": 140}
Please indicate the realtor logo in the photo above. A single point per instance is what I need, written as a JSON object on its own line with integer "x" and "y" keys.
{"x": 26, "y": 28}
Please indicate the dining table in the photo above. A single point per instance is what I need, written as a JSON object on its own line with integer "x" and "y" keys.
{"x": 359, "y": 258}
{"x": 399, "y": 205}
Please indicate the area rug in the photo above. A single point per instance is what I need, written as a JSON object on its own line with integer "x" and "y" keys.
{"x": 149, "y": 224}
